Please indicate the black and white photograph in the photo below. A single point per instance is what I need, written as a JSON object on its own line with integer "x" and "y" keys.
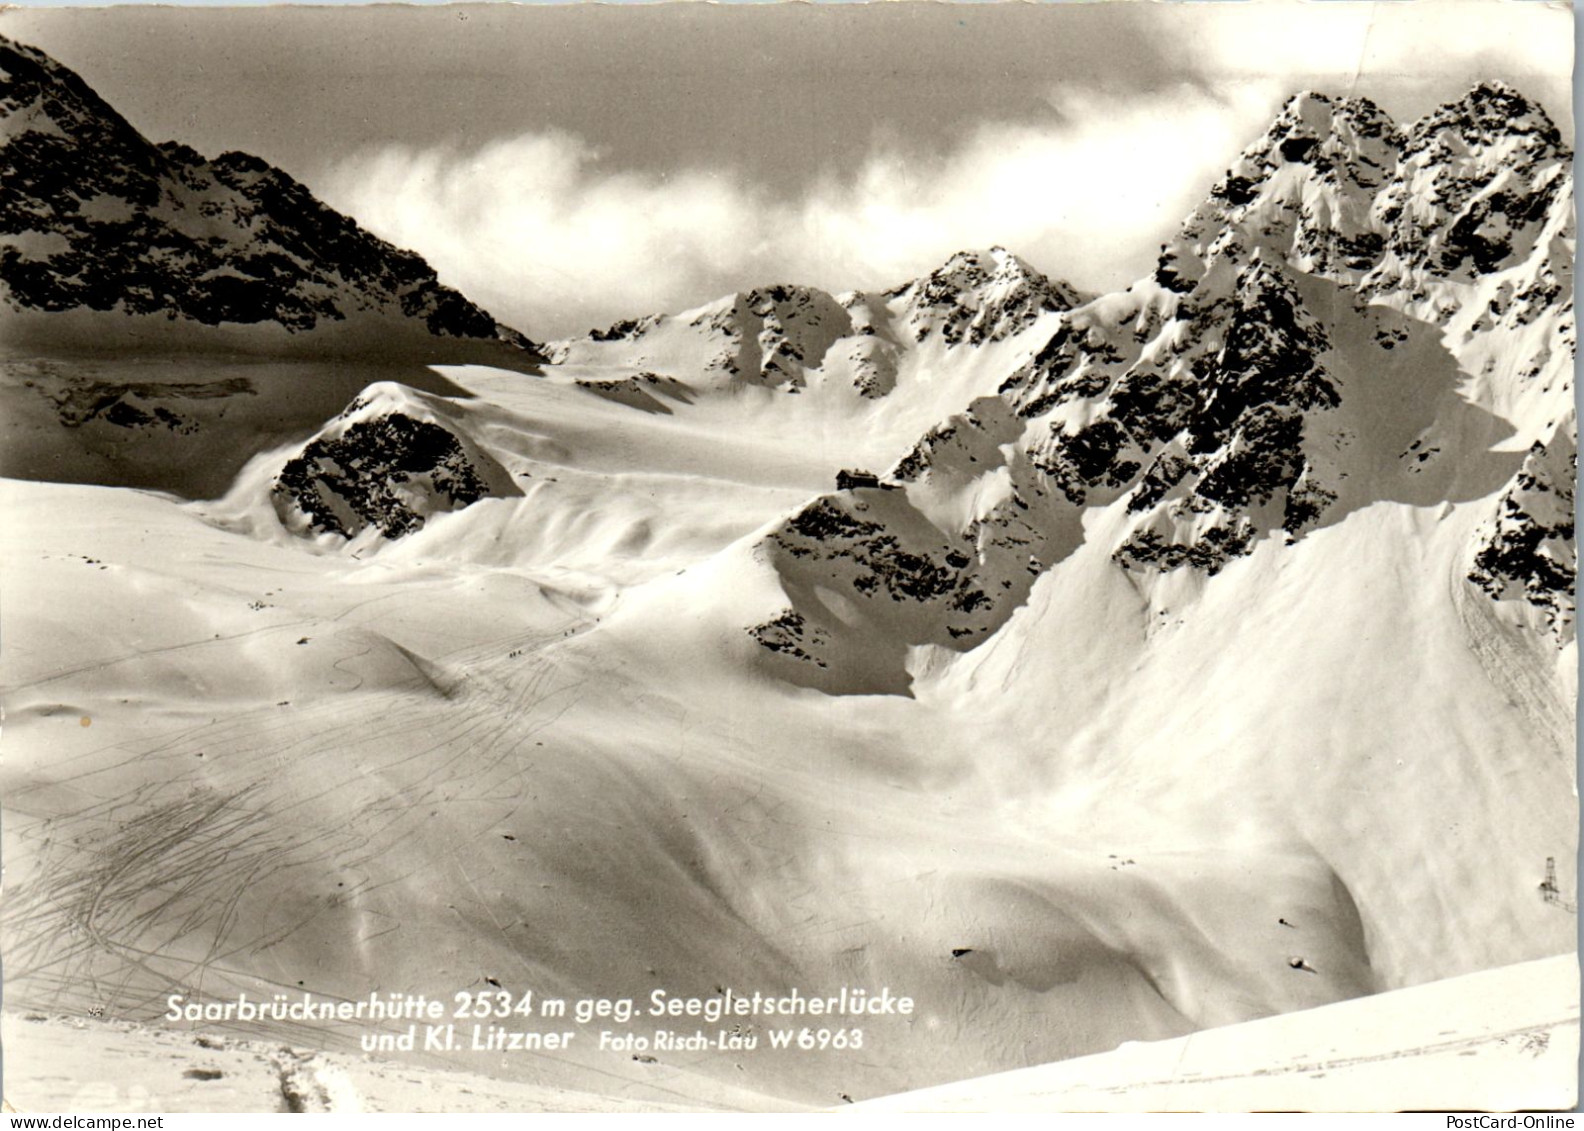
{"x": 788, "y": 557}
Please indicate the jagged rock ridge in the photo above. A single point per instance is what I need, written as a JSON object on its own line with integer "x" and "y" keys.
{"x": 868, "y": 557}
{"x": 1149, "y": 374}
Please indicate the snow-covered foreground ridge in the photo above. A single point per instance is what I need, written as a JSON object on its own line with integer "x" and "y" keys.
{"x": 1088, "y": 668}
{"x": 1501, "y": 1040}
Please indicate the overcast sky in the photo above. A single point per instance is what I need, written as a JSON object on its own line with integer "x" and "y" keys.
{"x": 568, "y": 166}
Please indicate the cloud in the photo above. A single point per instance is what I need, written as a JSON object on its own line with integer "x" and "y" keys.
{"x": 532, "y": 228}
{"x": 538, "y": 229}
{"x": 550, "y": 233}
{"x": 1087, "y": 196}
{"x": 555, "y": 234}
{"x": 1410, "y": 57}
{"x": 1370, "y": 41}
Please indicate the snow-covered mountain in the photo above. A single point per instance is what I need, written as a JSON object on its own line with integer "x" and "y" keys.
{"x": 156, "y": 246}
{"x": 1358, "y": 314}
{"x": 789, "y": 337}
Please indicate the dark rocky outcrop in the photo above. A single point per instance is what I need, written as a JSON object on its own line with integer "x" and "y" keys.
{"x": 389, "y": 471}
{"x": 1528, "y": 551}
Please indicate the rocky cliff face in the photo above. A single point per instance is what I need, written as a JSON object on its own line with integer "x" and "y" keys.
{"x": 1527, "y": 553}
{"x": 1210, "y": 391}
{"x": 1302, "y": 193}
{"x": 868, "y": 576}
{"x": 1473, "y": 186}
{"x": 95, "y": 218}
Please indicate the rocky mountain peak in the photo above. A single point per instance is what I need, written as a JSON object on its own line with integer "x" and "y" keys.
{"x": 1492, "y": 115}
{"x": 981, "y": 296}
{"x": 95, "y": 218}
{"x": 1480, "y": 182}
{"x": 38, "y": 94}
{"x": 48, "y": 115}
{"x": 1303, "y": 191}
{"x": 1347, "y": 122}
{"x": 1335, "y": 188}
